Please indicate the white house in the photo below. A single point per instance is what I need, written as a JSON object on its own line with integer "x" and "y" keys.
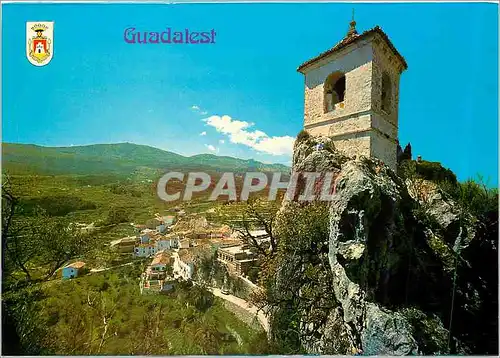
{"x": 185, "y": 270}
{"x": 156, "y": 243}
{"x": 184, "y": 264}
{"x": 72, "y": 270}
{"x": 145, "y": 238}
{"x": 145, "y": 250}
{"x": 163, "y": 244}
{"x": 161, "y": 228}
{"x": 184, "y": 243}
{"x": 160, "y": 262}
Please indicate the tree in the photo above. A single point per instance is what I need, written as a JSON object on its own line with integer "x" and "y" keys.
{"x": 117, "y": 215}
{"x": 200, "y": 298}
{"x": 298, "y": 276}
{"x": 36, "y": 245}
{"x": 9, "y": 205}
{"x": 407, "y": 152}
{"x": 259, "y": 214}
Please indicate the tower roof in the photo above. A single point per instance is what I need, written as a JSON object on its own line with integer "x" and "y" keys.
{"x": 352, "y": 37}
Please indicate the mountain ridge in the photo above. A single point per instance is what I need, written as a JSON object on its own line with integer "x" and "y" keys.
{"x": 118, "y": 158}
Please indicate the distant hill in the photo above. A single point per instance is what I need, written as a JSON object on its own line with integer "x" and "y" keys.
{"x": 117, "y": 159}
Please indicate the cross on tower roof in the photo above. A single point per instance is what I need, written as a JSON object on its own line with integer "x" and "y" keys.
{"x": 352, "y": 29}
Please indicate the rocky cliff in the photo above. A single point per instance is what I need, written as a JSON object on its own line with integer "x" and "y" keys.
{"x": 391, "y": 266}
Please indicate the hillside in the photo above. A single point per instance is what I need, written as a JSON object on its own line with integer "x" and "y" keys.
{"x": 118, "y": 159}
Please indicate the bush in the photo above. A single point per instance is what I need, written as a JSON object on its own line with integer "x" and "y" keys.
{"x": 302, "y": 136}
{"x": 435, "y": 172}
{"x": 477, "y": 197}
{"x": 57, "y": 205}
{"x": 195, "y": 295}
{"x": 117, "y": 216}
{"x": 298, "y": 276}
{"x": 253, "y": 274}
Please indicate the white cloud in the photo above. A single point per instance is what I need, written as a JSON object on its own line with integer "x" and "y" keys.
{"x": 203, "y": 133}
{"x": 238, "y": 133}
{"x": 222, "y": 141}
{"x": 211, "y": 147}
{"x": 196, "y": 108}
{"x": 276, "y": 145}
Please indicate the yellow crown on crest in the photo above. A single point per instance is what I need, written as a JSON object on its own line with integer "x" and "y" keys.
{"x": 39, "y": 27}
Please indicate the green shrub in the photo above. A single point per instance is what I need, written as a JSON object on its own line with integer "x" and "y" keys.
{"x": 57, "y": 205}
{"x": 117, "y": 216}
{"x": 435, "y": 172}
{"x": 302, "y": 136}
{"x": 478, "y": 198}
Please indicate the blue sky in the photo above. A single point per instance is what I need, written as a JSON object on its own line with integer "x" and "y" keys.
{"x": 99, "y": 89}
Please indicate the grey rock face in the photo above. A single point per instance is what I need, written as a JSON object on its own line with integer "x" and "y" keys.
{"x": 391, "y": 267}
{"x": 387, "y": 333}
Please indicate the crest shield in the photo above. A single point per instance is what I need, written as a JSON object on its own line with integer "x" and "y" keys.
{"x": 39, "y": 42}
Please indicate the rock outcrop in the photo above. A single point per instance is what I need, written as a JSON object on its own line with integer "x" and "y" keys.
{"x": 404, "y": 270}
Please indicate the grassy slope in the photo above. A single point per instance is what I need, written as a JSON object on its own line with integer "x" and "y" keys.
{"x": 144, "y": 324}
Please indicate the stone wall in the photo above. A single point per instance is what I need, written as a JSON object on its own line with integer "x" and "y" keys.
{"x": 243, "y": 315}
{"x": 385, "y": 61}
{"x": 384, "y": 149}
{"x": 381, "y": 124}
{"x": 356, "y": 65}
{"x": 354, "y": 144}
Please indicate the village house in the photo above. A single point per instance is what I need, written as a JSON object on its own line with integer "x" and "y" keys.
{"x": 156, "y": 278}
{"x": 157, "y": 268}
{"x": 216, "y": 244}
{"x": 184, "y": 264}
{"x": 162, "y": 228}
{"x": 73, "y": 270}
{"x": 146, "y": 235}
{"x": 163, "y": 243}
{"x": 238, "y": 259}
{"x": 198, "y": 228}
{"x": 138, "y": 227}
{"x": 174, "y": 241}
{"x": 124, "y": 245}
{"x": 184, "y": 243}
{"x": 164, "y": 223}
{"x": 144, "y": 250}
{"x": 222, "y": 232}
{"x": 156, "y": 286}
{"x": 151, "y": 242}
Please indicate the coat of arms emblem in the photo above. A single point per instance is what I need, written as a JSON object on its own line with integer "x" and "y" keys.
{"x": 39, "y": 42}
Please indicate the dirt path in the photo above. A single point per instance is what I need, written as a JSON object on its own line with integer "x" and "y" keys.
{"x": 108, "y": 268}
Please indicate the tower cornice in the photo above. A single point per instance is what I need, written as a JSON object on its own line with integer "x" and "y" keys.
{"x": 351, "y": 38}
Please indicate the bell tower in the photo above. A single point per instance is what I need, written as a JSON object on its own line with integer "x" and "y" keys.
{"x": 352, "y": 94}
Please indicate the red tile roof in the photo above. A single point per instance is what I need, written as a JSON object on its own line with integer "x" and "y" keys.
{"x": 77, "y": 265}
{"x": 162, "y": 258}
{"x": 354, "y": 38}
